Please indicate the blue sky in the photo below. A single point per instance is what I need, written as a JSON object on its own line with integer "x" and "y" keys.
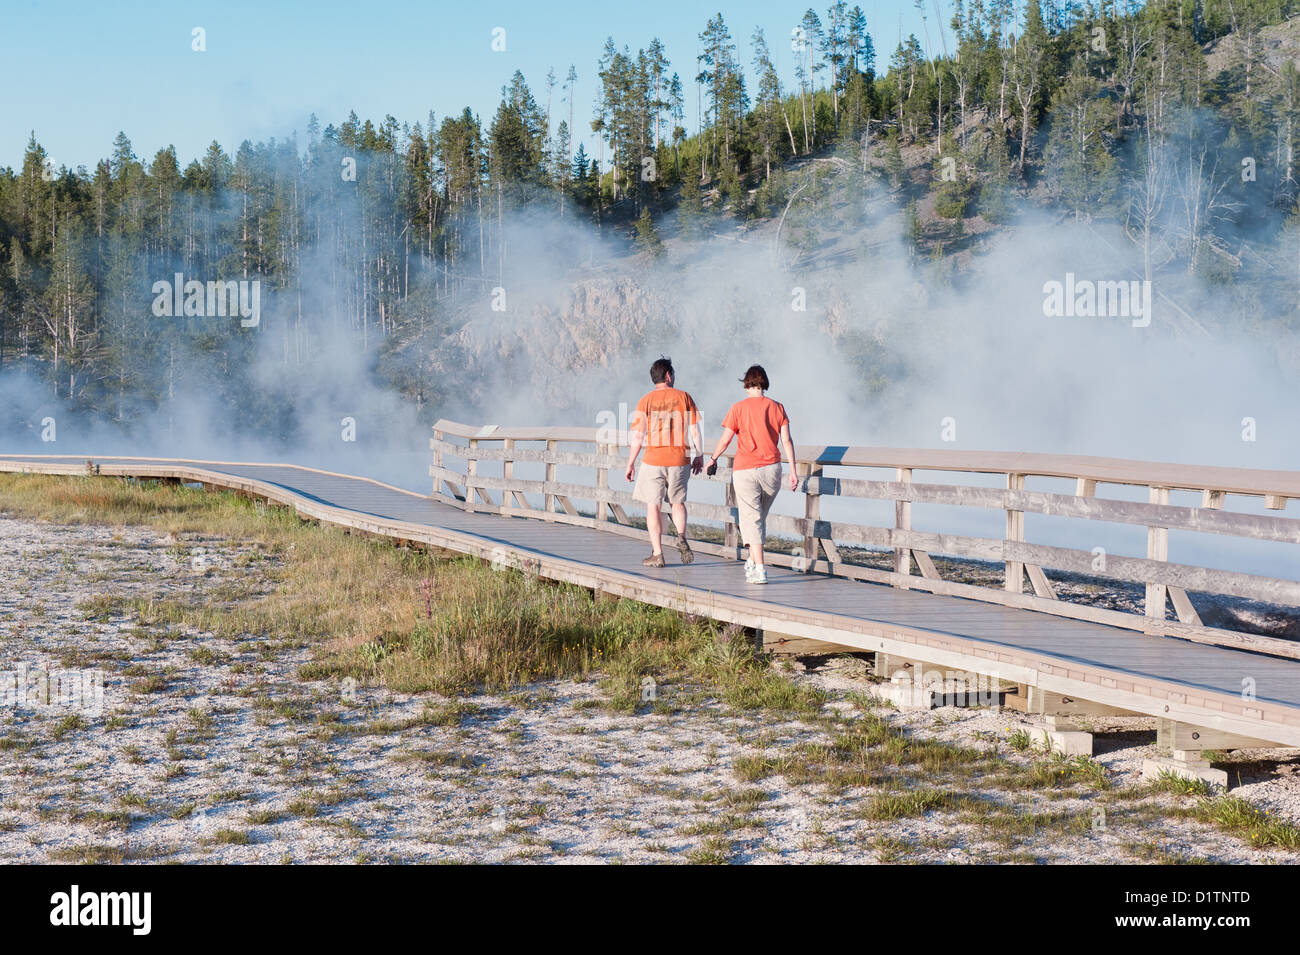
{"x": 78, "y": 72}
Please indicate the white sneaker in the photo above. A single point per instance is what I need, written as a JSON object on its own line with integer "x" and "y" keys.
{"x": 758, "y": 575}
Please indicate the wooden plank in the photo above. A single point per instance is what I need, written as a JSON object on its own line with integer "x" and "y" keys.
{"x": 1046, "y": 703}
{"x": 925, "y": 564}
{"x": 577, "y": 459}
{"x": 1186, "y": 612}
{"x": 497, "y": 432}
{"x": 553, "y": 489}
{"x": 1257, "y": 482}
{"x": 1206, "y": 520}
{"x": 1143, "y": 570}
{"x": 1042, "y": 586}
{"x": 1174, "y": 735}
{"x": 782, "y": 644}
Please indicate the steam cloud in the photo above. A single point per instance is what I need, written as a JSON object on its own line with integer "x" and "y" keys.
{"x": 887, "y": 350}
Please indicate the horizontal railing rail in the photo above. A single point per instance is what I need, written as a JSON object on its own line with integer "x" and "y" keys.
{"x": 818, "y": 542}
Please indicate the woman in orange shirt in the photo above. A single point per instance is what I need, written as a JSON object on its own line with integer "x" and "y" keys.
{"x": 761, "y": 429}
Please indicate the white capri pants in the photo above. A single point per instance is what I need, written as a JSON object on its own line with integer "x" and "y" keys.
{"x": 756, "y": 489}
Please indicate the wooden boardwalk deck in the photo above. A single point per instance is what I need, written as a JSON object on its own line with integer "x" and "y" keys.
{"x": 1228, "y": 690}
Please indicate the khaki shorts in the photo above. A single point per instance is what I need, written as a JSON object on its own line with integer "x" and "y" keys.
{"x": 654, "y": 483}
{"x": 756, "y": 489}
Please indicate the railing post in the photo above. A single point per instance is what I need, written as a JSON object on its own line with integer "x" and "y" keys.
{"x": 437, "y": 463}
{"x": 602, "y": 483}
{"x": 1015, "y": 569}
{"x": 471, "y": 469}
{"x": 812, "y": 512}
{"x": 549, "y": 501}
{"x": 1157, "y": 549}
{"x": 731, "y": 530}
{"x": 903, "y": 522}
{"x": 508, "y": 473}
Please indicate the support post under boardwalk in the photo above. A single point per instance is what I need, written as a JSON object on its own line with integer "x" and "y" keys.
{"x": 769, "y": 641}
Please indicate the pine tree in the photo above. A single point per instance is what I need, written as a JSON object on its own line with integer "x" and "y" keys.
{"x": 1082, "y": 172}
{"x": 727, "y": 98}
{"x": 913, "y": 230}
{"x": 894, "y": 167}
{"x": 516, "y": 141}
{"x": 647, "y": 239}
{"x": 578, "y": 174}
{"x": 690, "y": 208}
{"x": 1028, "y": 66}
{"x": 770, "y": 103}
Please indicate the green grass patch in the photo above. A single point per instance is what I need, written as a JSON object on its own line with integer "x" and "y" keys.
{"x": 909, "y": 804}
{"x": 230, "y": 837}
{"x": 1256, "y": 826}
{"x": 94, "y": 854}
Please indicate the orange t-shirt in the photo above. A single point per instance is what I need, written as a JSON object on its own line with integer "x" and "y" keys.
{"x": 757, "y": 423}
{"x": 665, "y": 416}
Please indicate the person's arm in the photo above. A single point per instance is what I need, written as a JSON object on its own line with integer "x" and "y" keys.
{"x": 723, "y": 443}
{"x": 788, "y": 443}
{"x": 634, "y": 442}
{"x": 697, "y": 446}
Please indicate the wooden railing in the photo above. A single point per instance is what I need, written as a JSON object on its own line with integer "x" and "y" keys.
{"x": 821, "y": 540}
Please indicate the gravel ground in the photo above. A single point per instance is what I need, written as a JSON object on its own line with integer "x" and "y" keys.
{"x": 213, "y": 750}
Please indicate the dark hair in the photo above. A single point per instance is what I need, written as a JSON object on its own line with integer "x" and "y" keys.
{"x": 661, "y": 369}
{"x": 755, "y": 377}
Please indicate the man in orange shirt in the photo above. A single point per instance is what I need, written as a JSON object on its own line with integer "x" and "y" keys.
{"x": 662, "y": 421}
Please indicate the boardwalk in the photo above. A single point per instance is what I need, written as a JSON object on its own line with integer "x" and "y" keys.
{"x": 1171, "y": 679}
